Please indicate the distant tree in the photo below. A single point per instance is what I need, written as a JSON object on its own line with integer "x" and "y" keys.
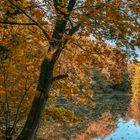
{"x": 135, "y": 104}
{"x": 124, "y": 85}
{"x": 136, "y": 80}
{"x": 101, "y": 83}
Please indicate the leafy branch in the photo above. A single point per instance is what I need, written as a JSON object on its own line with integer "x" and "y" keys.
{"x": 34, "y": 21}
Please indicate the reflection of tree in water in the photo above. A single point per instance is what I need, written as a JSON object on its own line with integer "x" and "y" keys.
{"x": 101, "y": 121}
{"x": 109, "y": 108}
{"x": 103, "y": 126}
{"x": 116, "y": 103}
{"x": 134, "y": 111}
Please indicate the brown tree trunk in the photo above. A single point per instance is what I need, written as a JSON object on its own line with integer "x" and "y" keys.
{"x": 46, "y": 74}
{"x": 32, "y": 122}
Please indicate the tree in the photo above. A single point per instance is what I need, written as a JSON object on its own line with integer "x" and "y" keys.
{"x": 134, "y": 110}
{"x": 135, "y": 79}
{"x": 59, "y": 21}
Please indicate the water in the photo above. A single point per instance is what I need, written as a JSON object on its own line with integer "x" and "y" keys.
{"x": 123, "y": 120}
{"x": 126, "y": 130}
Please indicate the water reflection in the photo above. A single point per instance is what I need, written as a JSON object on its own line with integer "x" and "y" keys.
{"x": 125, "y": 119}
{"x": 134, "y": 112}
{"x": 116, "y": 117}
{"x": 127, "y": 130}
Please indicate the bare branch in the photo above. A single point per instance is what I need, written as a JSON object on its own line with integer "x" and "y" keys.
{"x": 59, "y": 77}
{"x": 16, "y": 23}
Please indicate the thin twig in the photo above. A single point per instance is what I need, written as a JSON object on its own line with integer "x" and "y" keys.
{"x": 7, "y": 104}
{"x": 17, "y": 112}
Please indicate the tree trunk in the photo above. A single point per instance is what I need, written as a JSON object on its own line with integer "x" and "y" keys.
{"x": 33, "y": 119}
{"x": 46, "y": 74}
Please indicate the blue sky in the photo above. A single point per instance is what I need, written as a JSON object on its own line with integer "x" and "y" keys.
{"x": 138, "y": 52}
{"x": 137, "y": 49}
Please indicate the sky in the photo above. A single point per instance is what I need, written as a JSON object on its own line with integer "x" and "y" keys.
{"x": 137, "y": 49}
{"x": 138, "y": 52}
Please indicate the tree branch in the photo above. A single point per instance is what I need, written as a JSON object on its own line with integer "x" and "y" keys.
{"x": 96, "y": 7}
{"x": 16, "y": 23}
{"x": 55, "y": 4}
{"x": 71, "y": 5}
{"x": 59, "y": 77}
{"x": 20, "y": 103}
{"x": 71, "y": 32}
{"x": 83, "y": 49}
{"x": 74, "y": 29}
{"x": 71, "y": 23}
{"x": 45, "y": 33}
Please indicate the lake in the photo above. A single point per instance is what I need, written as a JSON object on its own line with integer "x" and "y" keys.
{"x": 116, "y": 116}
{"x": 126, "y": 123}
{"x": 126, "y": 130}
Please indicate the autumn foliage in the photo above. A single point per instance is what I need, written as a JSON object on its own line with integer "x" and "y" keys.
{"x": 50, "y": 48}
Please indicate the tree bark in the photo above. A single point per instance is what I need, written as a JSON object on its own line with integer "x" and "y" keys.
{"x": 32, "y": 122}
